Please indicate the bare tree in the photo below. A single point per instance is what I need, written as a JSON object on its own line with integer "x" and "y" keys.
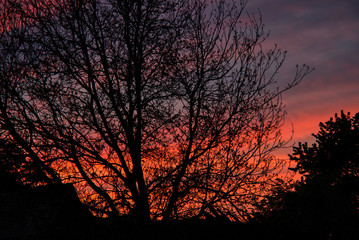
{"x": 163, "y": 109}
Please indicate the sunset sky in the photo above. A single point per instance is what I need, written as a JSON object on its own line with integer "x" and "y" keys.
{"x": 325, "y": 35}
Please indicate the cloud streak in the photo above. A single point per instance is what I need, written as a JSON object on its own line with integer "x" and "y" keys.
{"x": 323, "y": 34}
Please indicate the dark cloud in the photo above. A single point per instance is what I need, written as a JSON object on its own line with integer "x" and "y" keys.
{"x": 323, "y": 34}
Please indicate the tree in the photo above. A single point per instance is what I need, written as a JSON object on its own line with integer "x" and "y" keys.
{"x": 16, "y": 172}
{"x": 325, "y": 201}
{"x": 334, "y": 156}
{"x": 162, "y": 109}
{"x": 10, "y": 160}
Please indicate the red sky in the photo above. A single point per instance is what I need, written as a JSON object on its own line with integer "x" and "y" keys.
{"x": 325, "y": 35}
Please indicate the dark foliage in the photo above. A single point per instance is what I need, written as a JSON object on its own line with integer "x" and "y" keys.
{"x": 324, "y": 204}
{"x": 15, "y": 170}
{"x": 335, "y": 155}
{"x": 9, "y": 158}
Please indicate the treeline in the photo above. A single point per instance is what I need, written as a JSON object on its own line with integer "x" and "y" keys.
{"x": 322, "y": 205}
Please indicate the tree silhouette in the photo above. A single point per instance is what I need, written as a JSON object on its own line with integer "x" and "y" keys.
{"x": 325, "y": 202}
{"x": 16, "y": 172}
{"x": 161, "y": 109}
{"x": 335, "y": 154}
{"x": 10, "y": 162}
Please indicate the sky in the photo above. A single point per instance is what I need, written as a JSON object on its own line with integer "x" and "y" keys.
{"x": 323, "y": 34}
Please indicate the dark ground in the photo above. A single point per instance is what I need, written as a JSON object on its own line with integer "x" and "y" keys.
{"x": 55, "y": 213}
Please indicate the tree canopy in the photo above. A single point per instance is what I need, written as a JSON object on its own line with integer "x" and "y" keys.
{"x": 325, "y": 202}
{"x": 335, "y": 155}
{"x": 161, "y": 109}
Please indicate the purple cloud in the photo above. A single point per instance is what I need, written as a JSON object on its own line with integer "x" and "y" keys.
{"x": 323, "y": 34}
